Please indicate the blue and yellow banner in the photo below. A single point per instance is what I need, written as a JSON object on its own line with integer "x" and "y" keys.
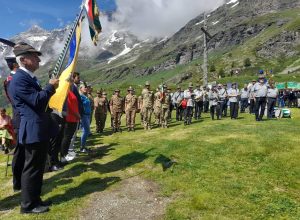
{"x": 58, "y": 99}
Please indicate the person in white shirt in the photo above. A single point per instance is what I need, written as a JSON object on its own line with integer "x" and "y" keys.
{"x": 206, "y": 91}
{"x": 188, "y": 111}
{"x": 260, "y": 91}
{"x": 245, "y": 93}
{"x": 233, "y": 94}
{"x": 198, "y": 102}
{"x": 214, "y": 103}
{"x": 272, "y": 97}
{"x": 252, "y": 97}
{"x": 222, "y": 100}
{"x": 176, "y": 99}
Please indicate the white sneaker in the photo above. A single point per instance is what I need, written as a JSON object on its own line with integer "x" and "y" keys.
{"x": 63, "y": 160}
{"x": 83, "y": 150}
{"x": 70, "y": 157}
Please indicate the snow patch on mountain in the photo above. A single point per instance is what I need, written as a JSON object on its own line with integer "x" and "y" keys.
{"x": 232, "y": 2}
{"x": 215, "y": 22}
{"x": 124, "y": 52}
{"x": 236, "y": 4}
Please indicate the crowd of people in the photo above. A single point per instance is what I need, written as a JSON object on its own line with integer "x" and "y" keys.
{"x": 37, "y": 132}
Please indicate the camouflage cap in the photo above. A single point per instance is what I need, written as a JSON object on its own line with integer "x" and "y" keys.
{"x": 24, "y": 48}
{"x": 178, "y": 87}
{"x": 191, "y": 85}
{"x": 130, "y": 88}
{"x": 117, "y": 90}
{"x": 147, "y": 83}
{"x": 99, "y": 92}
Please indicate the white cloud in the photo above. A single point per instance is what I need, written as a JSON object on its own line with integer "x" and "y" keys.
{"x": 159, "y": 18}
{"x": 30, "y": 22}
{"x": 61, "y": 23}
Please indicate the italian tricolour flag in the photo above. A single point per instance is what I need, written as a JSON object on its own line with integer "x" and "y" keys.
{"x": 92, "y": 12}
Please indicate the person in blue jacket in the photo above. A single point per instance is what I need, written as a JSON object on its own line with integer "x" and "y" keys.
{"x": 85, "y": 118}
{"x": 35, "y": 128}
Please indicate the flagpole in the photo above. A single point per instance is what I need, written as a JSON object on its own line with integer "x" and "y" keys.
{"x": 63, "y": 54}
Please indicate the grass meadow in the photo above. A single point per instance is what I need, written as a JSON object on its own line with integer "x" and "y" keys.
{"x": 226, "y": 169}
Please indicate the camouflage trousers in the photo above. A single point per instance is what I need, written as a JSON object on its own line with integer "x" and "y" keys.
{"x": 157, "y": 115}
{"x": 130, "y": 118}
{"x": 164, "y": 117}
{"x": 116, "y": 118}
{"x": 100, "y": 119}
{"x": 147, "y": 113}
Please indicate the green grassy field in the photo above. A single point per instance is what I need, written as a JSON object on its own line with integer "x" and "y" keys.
{"x": 226, "y": 169}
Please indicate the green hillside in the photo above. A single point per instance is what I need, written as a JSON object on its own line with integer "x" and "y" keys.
{"x": 273, "y": 38}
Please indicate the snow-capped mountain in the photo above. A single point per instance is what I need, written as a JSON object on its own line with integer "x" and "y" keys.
{"x": 112, "y": 44}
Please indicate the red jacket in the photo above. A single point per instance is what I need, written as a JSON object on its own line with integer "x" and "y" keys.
{"x": 72, "y": 108}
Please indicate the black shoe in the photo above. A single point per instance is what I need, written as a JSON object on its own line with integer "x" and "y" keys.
{"x": 132, "y": 129}
{"x": 16, "y": 189}
{"x": 55, "y": 168}
{"x": 6, "y": 151}
{"x": 36, "y": 210}
{"x": 128, "y": 129}
{"x": 46, "y": 203}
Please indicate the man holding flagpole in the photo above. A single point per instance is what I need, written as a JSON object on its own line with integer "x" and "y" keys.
{"x": 35, "y": 128}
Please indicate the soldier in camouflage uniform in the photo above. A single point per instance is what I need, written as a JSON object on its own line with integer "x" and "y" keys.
{"x": 147, "y": 106}
{"x": 131, "y": 104}
{"x": 116, "y": 109}
{"x": 157, "y": 107}
{"x": 165, "y": 101}
{"x": 140, "y": 104}
{"x": 91, "y": 98}
{"x": 101, "y": 108}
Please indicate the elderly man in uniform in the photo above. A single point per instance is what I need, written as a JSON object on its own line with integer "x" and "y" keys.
{"x": 176, "y": 99}
{"x": 35, "y": 128}
{"x": 116, "y": 109}
{"x": 147, "y": 105}
{"x": 260, "y": 92}
{"x": 272, "y": 97}
{"x": 188, "y": 111}
{"x": 165, "y": 100}
{"x": 131, "y": 104}
{"x": 198, "y": 102}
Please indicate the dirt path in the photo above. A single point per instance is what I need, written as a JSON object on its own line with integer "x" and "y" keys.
{"x": 133, "y": 199}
